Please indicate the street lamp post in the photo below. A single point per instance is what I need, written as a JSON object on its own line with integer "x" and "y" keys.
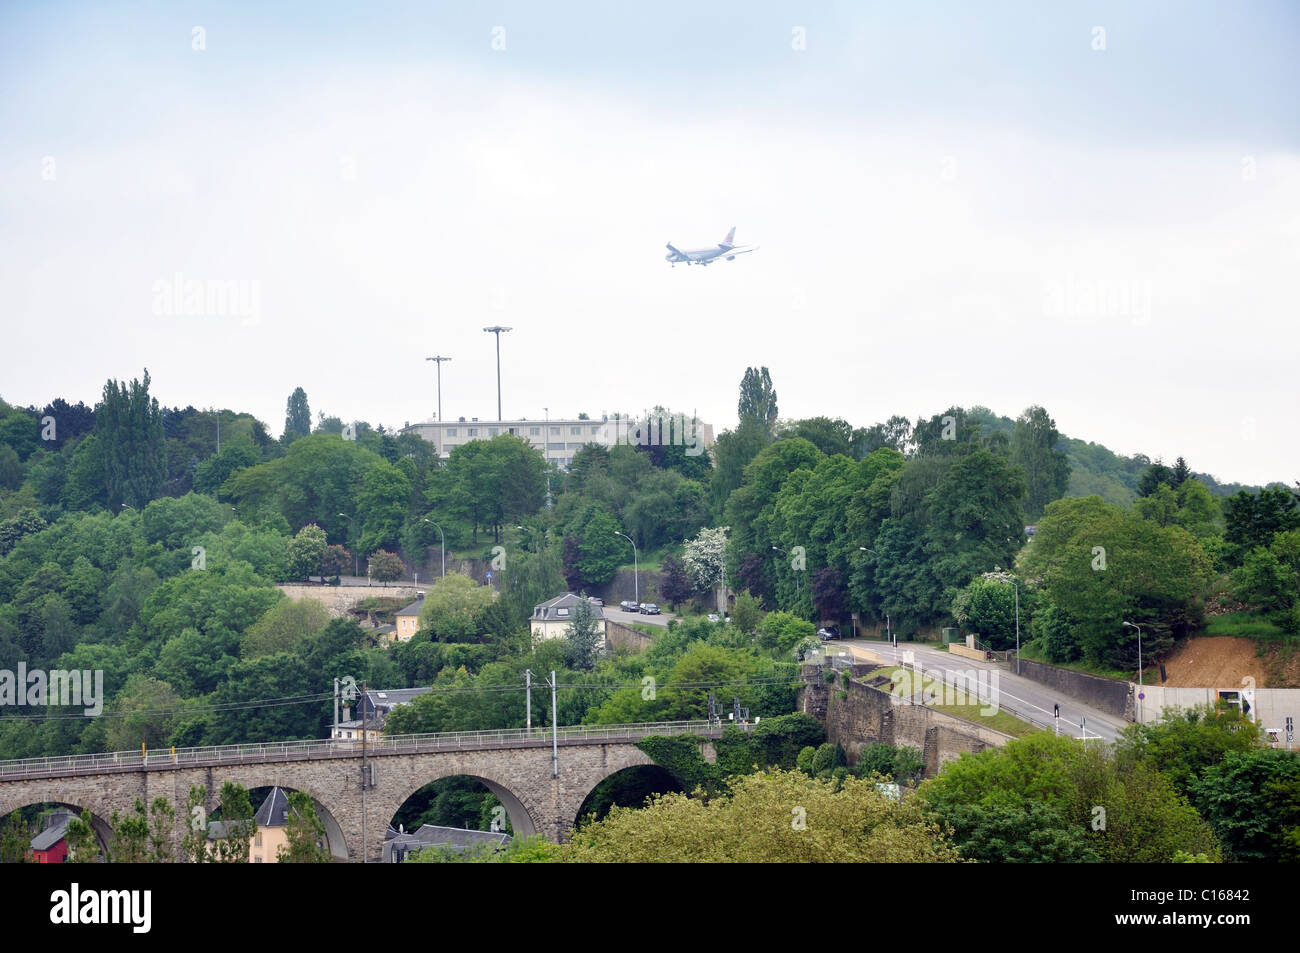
{"x": 355, "y": 542}
{"x": 1132, "y": 625}
{"x": 546, "y": 452}
{"x": 443, "y": 544}
{"x": 796, "y": 572}
{"x": 636, "y": 579}
{"x": 889, "y": 629}
{"x": 497, "y": 329}
{"x": 439, "y": 361}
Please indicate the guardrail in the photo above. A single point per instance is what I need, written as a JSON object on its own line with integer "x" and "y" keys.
{"x": 304, "y": 750}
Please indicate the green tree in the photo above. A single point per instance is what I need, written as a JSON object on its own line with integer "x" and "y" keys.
{"x": 758, "y": 399}
{"x": 305, "y": 833}
{"x": 1237, "y": 797}
{"x": 131, "y": 836}
{"x": 83, "y": 845}
{"x": 306, "y": 552}
{"x": 582, "y": 638}
{"x": 773, "y": 817}
{"x": 131, "y": 442}
{"x": 238, "y": 825}
{"x": 1035, "y": 449}
{"x": 297, "y": 417}
{"x": 988, "y": 607}
{"x": 454, "y": 609}
{"x": 284, "y": 627}
{"x": 386, "y": 566}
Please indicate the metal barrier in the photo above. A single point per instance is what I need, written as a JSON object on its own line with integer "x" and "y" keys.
{"x": 302, "y": 750}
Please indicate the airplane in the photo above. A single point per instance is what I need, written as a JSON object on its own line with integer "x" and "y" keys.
{"x": 727, "y": 248}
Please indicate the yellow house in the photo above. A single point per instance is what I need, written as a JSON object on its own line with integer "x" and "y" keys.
{"x": 272, "y": 818}
{"x": 551, "y": 619}
{"x": 408, "y": 620}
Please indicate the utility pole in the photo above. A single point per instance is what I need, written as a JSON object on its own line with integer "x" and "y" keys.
{"x": 528, "y": 699}
{"x": 497, "y": 329}
{"x": 365, "y": 846}
{"x": 335, "y": 732}
{"x": 439, "y": 361}
{"x": 555, "y": 732}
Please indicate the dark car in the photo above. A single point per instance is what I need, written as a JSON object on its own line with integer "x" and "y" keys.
{"x": 627, "y": 605}
{"x": 649, "y": 608}
{"x": 828, "y": 633}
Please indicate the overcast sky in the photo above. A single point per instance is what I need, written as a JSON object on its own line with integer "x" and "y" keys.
{"x": 953, "y": 206}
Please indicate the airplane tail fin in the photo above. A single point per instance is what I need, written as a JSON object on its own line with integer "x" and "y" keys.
{"x": 731, "y": 236}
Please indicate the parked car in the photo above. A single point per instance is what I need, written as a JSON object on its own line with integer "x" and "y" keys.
{"x": 627, "y": 605}
{"x": 649, "y": 608}
{"x": 828, "y": 633}
{"x": 596, "y": 602}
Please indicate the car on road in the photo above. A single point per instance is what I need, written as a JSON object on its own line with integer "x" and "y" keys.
{"x": 828, "y": 633}
{"x": 649, "y": 608}
{"x": 596, "y": 602}
{"x": 627, "y": 605}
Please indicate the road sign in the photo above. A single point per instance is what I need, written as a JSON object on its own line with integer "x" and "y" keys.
{"x": 489, "y": 573}
{"x": 1141, "y": 695}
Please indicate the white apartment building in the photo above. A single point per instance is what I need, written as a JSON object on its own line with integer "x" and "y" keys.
{"x": 559, "y": 439}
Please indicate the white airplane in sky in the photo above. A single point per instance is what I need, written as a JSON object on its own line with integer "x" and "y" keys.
{"x": 726, "y": 248}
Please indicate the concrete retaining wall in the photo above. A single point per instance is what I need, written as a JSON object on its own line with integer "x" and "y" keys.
{"x": 618, "y": 635}
{"x": 340, "y": 600}
{"x": 1104, "y": 694}
{"x": 955, "y": 648}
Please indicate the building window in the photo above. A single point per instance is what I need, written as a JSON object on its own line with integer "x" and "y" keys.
{"x": 473, "y": 431}
{"x": 561, "y": 611}
{"x": 492, "y": 431}
{"x": 595, "y": 431}
{"x": 555, "y": 431}
{"x": 257, "y": 839}
{"x": 534, "y": 431}
{"x": 575, "y": 431}
{"x": 450, "y": 431}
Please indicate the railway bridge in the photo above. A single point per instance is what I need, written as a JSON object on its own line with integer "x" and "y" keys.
{"x": 540, "y": 777}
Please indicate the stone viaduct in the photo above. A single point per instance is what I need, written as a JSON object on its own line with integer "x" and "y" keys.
{"x": 516, "y": 766}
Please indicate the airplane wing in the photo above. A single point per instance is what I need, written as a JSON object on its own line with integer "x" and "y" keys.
{"x": 735, "y": 250}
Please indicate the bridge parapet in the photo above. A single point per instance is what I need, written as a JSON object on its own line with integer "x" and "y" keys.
{"x": 213, "y": 755}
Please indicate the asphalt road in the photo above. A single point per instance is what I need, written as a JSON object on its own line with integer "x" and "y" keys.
{"x": 1019, "y": 696}
{"x": 627, "y": 618}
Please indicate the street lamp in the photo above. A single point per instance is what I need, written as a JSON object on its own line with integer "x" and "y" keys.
{"x": 796, "y": 575}
{"x": 1139, "y": 631}
{"x": 439, "y": 360}
{"x": 636, "y": 580}
{"x": 497, "y": 329}
{"x": 443, "y": 543}
{"x": 355, "y": 544}
{"x": 546, "y": 450}
{"x": 889, "y": 630}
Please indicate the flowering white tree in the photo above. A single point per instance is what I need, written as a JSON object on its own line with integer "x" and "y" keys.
{"x": 705, "y": 557}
